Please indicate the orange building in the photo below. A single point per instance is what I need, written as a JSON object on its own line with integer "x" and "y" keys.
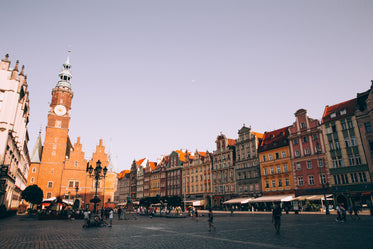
{"x": 60, "y": 168}
{"x": 275, "y": 164}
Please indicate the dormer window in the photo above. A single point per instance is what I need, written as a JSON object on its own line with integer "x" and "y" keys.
{"x": 343, "y": 111}
{"x": 333, "y": 115}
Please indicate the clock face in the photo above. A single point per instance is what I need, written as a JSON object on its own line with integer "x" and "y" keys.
{"x": 60, "y": 110}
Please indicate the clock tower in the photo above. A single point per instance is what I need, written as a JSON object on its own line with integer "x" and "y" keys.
{"x": 57, "y": 144}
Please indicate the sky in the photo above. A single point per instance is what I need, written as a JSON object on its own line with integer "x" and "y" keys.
{"x": 150, "y": 77}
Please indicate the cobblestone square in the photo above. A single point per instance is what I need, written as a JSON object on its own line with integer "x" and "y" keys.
{"x": 239, "y": 231}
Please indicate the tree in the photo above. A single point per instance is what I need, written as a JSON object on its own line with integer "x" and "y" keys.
{"x": 32, "y": 194}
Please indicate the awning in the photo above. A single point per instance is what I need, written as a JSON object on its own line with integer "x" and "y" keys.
{"x": 273, "y": 198}
{"x": 68, "y": 202}
{"x": 238, "y": 201}
{"x": 195, "y": 203}
{"x": 313, "y": 197}
{"x": 49, "y": 199}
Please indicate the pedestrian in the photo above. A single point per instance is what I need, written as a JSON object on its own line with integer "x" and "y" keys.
{"x": 86, "y": 218}
{"x": 111, "y": 215}
{"x": 276, "y": 218}
{"x": 339, "y": 216}
{"x": 119, "y": 212}
{"x": 211, "y": 220}
{"x": 196, "y": 214}
{"x": 343, "y": 212}
{"x": 232, "y": 210}
{"x": 356, "y": 211}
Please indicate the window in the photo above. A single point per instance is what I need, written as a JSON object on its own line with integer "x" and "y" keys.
{"x": 307, "y": 151}
{"x": 272, "y": 170}
{"x": 328, "y": 130}
{"x": 277, "y": 155}
{"x": 349, "y": 123}
{"x": 300, "y": 180}
{"x": 298, "y": 167}
{"x": 333, "y": 115}
{"x": 321, "y": 164}
{"x": 334, "y": 128}
{"x": 287, "y": 183}
{"x": 344, "y": 126}
{"x": 337, "y": 145}
{"x": 334, "y": 162}
{"x": 264, "y": 158}
{"x": 58, "y": 124}
{"x": 267, "y": 184}
{"x": 265, "y": 171}
{"x": 50, "y": 184}
{"x": 337, "y": 180}
{"x": 344, "y": 179}
{"x": 279, "y": 169}
{"x": 49, "y": 195}
{"x": 32, "y": 180}
{"x": 354, "y": 177}
{"x": 322, "y": 179}
{"x": 305, "y": 139}
{"x": 343, "y": 111}
{"x": 340, "y": 161}
{"x": 302, "y": 125}
{"x": 71, "y": 184}
{"x": 270, "y": 157}
{"x": 357, "y": 159}
{"x": 351, "y": 159}
{"x": 295, "y": 141}
{"x": 280, "y": 182}
{"x": 362, "y": 177}
{"x": 331, "y": 145}
{"x": 285, "y": 168}
{"x": 353, "y": 141}
{"x": 273, "y": 183}
{"x": 311, "y": 180}
{"x": 297, "y": 153}
{"x": 33, "y": 169}
{"x": 283, "y": 154}
{"x": 76, "y": 163}
{"x": 309, "y": 165}
{"x": 347, "y": 141}
{"x": 368, "y": 127}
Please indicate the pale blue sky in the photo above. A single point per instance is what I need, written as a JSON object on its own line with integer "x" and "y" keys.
{"x": 155, "y": 76}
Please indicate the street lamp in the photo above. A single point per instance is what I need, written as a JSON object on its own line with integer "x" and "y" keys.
{"x": 76, "y": 191}
{"x": 96, "y": 173}
{"x": 322, "y": 180}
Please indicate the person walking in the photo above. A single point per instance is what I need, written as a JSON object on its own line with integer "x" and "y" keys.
{"x": 111, "y": 215}
{"x": 196, "y": 214}
{"x": 86, "y": 218}
{"x": 119, "y": 212}
{"x": 276, "y": 218}
{"x": 211, "y": 220}
{"x": 356, "y": 212}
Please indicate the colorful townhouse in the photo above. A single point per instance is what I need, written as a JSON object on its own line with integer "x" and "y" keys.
{"x": 247, "y": 168}
{"x": 308, "y": 156}
{"x": 275, "y": 165}
{"x": 349, "y": 170}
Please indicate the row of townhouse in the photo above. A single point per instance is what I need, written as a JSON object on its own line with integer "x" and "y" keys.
{"x": 305, "y": 159}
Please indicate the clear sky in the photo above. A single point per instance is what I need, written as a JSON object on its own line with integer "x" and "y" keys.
{"x": 155, "y": 76}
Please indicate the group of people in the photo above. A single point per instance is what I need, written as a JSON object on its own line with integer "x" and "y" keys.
{"x": 342, "y": 212}
{"x": 98, "y": 220}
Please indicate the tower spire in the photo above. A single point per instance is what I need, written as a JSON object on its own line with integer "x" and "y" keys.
{"x": 65, "y": 74}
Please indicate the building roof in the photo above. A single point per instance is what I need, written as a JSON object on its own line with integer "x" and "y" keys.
{"x": 275, "y": 139}
{"x": 37, "y": 150}
{"x": 231, "y": 142}
{"x": 335, "y": 112}
{"x": 123, "y": 173}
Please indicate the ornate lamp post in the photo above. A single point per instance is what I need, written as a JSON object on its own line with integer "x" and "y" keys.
{"x": 96, "y": 173}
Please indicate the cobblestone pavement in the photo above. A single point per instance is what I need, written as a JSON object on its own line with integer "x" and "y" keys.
{"x": 239, "y": 231}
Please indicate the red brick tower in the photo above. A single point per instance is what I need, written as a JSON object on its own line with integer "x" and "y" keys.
{"x": 57, "y": 143}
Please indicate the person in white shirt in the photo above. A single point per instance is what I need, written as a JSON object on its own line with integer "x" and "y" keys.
{"x": 111, "y": 215}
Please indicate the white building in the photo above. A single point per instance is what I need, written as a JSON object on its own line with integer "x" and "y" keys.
{"x": 14, "y": 118}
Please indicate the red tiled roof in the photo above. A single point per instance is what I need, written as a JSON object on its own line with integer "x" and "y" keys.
{"x": 152, "y": 165}
{"x": 258, "y": 135}
{"x": 139, "y": 162}
{"x": 122, "y": 173}
{"x": 231, "y": 142}
{"x": 275, "y": 139}
{"x": 349, "y": 105}
{"x": 203, "y": 154}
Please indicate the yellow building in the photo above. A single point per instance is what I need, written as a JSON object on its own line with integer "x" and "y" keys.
{"x": 275, "y": 164}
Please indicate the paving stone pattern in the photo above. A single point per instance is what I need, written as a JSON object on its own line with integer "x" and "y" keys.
{"x": 239, "y": 231}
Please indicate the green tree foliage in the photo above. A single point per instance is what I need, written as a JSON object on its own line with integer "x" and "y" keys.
{"x": 32, "y": 194}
